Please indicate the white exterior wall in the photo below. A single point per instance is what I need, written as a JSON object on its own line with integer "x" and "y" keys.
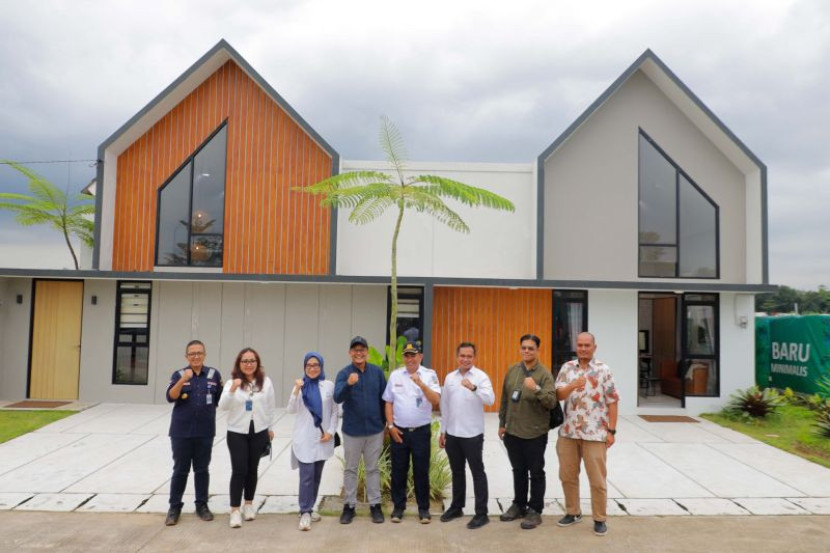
{"x": 500, "y": 244}
{"x": 591, "y": 189}
{"x": 612, "y": 319}
{"x": 14, "y": 337}
{"x": 281, "y": 321}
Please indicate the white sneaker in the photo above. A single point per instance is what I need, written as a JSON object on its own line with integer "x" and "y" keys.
{"x": 315, "y": 516}
{"x": 236, "y": 519}
{"x": 248, "y": 512}
{"x": 305, "y": 522}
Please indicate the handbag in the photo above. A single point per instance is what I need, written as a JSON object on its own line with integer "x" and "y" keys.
{"x": 336, "y": 439}
{"x": 557, "y": 416}
{"x": 266, "y": 451}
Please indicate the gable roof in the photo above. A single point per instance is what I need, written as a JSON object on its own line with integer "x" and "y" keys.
{"x": 701, "y": 116}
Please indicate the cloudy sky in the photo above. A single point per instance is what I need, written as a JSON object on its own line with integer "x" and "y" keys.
{"x": 463, "y": 80}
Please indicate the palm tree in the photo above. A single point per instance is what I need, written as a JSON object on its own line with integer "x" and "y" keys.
{"x": 50, "y": 205}
{"x": 370, "y": 193}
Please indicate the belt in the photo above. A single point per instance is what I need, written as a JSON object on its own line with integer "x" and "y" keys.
{"x": 413, "y": 429}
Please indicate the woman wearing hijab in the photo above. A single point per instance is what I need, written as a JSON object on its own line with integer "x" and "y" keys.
{"x": 312, "y": 399}
{"x": 249, "y": 399}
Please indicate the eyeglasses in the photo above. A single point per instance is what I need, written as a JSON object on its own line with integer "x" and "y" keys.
{"x": 247, "y": 361}
{"x": 196, "y": 354}
{"x": 313, "y": 366}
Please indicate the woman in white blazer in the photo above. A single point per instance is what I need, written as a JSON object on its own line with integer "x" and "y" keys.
{"x": 248, "y": 397}
{"x": 312, "y": 399}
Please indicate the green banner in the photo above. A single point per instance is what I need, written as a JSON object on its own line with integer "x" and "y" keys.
{"x": 793, "y": 352}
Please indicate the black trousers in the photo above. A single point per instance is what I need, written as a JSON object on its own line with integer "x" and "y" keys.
{"x": 469, "y": 451}
{"x": 187, "y": 453}
{"x": 416, "y": 444}
{"x": 527, "y": 457}
{"x": 245, "y": 450}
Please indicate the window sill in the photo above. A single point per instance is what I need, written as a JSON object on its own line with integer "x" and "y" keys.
{"x": 212, "y": 270}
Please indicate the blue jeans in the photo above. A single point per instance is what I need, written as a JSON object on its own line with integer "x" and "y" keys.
{"x": 187, "y": 453}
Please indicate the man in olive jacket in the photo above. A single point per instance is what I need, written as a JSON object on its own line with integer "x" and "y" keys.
{"x": 527, "y": 396}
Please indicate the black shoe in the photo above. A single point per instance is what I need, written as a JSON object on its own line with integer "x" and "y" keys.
{"x": 424, "y": 517}
{"x": 513, "y": 513}
{"x": 397, "y": 515}
{"x": 451, "y": 513}
{"x": 600, "y": 528}
{"x": 347, "y": 515}
{"x": 569, "y": 520}
{"x": 532, "y": 520}
{"x": 478, "y": 521}
{"x": 173, "y": 516}
{"x": 203, "y": 512}
{"x": 377, "y": 513}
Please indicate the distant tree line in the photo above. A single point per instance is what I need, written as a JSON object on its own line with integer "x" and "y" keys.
{"x": 790, "y": 300}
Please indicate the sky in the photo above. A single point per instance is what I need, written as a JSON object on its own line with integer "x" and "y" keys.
{"x": 463, "y": 80}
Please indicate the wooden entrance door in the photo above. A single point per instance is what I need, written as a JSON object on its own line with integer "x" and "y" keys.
{"x": 55, "y": 355}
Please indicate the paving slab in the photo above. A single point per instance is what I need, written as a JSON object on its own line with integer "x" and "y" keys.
{"x": 113, "y": 503}
{"x": 493, "y": 506}
{"x": 221, "y": 504}
{"x": 63, "y": 502}
{"x": 68, "y": 423}
{"x": 816, "y": 505}
{"x": 652, "y": 507}
{"x": 280, "y": 504}
{"x": 727, "y": 433}
{"x": 160, "y": 503}
{"x": 807, "y": 477}
{"x": 637, "y": 472}
{"x": 29, "y": 447}
{"x": 711, "y": 506}
{"x": 678, "y": 432}
{"x": 722, "y": 475}
{"x": 11, "y": 500}
{"x": 770, "y": 506}
{"x": 132, "y": 473}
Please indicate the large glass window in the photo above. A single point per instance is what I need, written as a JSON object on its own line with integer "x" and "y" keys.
{"x": 191, "y": 208}
{"x": 700, "y": 345}
{"x": 132, "y": 333}
{"x": 678, "y": 221}
{"x": 410, "y": 322}
{"x": 570, "y": 317}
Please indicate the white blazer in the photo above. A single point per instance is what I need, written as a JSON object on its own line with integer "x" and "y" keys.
{"x": 264, "y": 412}
{"x": 306, "y": 446}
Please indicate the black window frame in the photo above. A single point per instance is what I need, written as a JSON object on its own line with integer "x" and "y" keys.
{"x": 703, "y": 299}
{"x": 405, "y": 295}
{"x": 560, "y": 356}
{"x": 133, "y": 332}
{"x": 677, "y": 246}
{"x": 189, "y": 164}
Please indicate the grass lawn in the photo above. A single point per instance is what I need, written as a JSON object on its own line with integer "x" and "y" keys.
{"x": 17, "y": 423}
{"x": 792, "y": 430}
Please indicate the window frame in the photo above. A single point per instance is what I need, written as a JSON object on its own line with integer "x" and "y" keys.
{"x": 562, "y": 296}
{"x": 406, "y": 294}
{"x": 701, "y": 299}
{"x": 189, "y": 164}
{"x": 677, "y": 246}
{"x": 117, "y": 343}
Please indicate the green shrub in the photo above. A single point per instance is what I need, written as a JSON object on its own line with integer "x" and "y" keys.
{"x": 822, "y": 422}
{"x": 754, "y": 403}
{"x": 790, "y": 397}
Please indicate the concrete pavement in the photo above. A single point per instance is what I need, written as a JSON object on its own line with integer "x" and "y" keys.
{"x": 116, "y": 458}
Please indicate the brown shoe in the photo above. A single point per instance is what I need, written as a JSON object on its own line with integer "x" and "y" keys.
{"x": 532, "y": 520}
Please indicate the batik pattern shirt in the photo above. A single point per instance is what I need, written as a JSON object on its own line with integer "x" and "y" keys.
{"x": 586, "y": 410}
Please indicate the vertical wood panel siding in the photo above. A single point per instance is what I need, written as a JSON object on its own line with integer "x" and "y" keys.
{"x": 494, "y": 320}
{"x": 269, "y": 228}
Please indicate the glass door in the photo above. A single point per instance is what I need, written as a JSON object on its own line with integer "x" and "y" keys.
{"x": 700, "y": 346}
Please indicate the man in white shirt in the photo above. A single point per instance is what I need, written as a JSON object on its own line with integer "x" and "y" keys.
{"x": 467, "y": 391}
{"x": 411, "y": 394}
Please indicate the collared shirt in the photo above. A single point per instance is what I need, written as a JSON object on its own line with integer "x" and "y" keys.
{"x": 462, "y": 410}
{"x": 410, "y": 406}
{"x": 529, "y": 416}
{"x": 194, "y": 413}
{"x": 263, "y": 407}
{"x": 586, "y": 411}
{"x": 363, "y": 406}
{"x": 306, "y": 446}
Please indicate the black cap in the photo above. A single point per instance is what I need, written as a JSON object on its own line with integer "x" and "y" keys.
{"x": 412, "y": 347}
{"x": 358, "y": 341}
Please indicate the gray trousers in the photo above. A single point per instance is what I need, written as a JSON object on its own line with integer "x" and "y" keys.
{"x": 370, "y": 448}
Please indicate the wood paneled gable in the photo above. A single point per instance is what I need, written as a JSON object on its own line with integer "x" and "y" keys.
{"x": 269, "y": 228}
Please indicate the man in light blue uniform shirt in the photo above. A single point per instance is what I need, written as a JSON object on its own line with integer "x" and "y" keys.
{"x": 411, "y": 394}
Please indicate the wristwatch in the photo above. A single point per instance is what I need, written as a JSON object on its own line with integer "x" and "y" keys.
{"x": 390, "y": 426}
{"x": 612, "y": 431}
{"x": 474, "y": 388}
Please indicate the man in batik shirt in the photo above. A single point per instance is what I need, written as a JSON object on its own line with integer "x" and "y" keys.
{"x": 591, "y": 399}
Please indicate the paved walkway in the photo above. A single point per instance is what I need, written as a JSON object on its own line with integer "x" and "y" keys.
{"x": 116, "y": 458}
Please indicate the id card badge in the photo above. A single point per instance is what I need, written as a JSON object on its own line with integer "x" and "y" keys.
{"x": 249, "y": 405}
{"x": 209, "y": 399}
{"x": 418, "y": 401}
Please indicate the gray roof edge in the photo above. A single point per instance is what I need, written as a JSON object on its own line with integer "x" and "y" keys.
{"x": 99, "y": 206}
{"x": 221, "y": 45}
{"x": 349, "y": 279}
{"x": 648, "y": 54}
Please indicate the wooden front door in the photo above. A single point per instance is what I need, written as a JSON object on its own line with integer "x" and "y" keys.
{"x": 55, "y": 355}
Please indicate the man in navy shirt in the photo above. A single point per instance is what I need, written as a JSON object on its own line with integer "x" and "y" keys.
{"x": 359, "y": 387}
{"x": 195, "y": 390}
